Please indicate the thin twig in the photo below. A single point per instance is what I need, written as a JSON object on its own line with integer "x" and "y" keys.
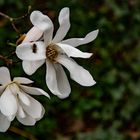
{"x": 12, "y": 20}
{"x": 16, "y": 62}
{"x": 6, "y": 16}
{"x": 22, "y": 133}
{"x": 11, "y": 44}
{"x": 11, "y": 54}
{"x": 28, "y": 12}
{"x": 7, "y": 61}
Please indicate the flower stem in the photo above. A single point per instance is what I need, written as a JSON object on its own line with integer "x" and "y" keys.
{"x": 12, "y": 20}
{"x": 22, "y": 133}
{"x": 7, "y": 61}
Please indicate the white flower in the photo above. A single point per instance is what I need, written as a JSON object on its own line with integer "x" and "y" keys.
{"x": 39, "y": 47}
{"x": 15, "y": 101}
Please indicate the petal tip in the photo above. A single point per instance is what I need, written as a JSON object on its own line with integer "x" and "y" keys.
{"x": 64, "y": 96}
{"x": 3, "y": 68}
{"x": 47, "y": 95}
{"x": 66, "y": 9}
{"x": 92, "y": 83}
{"x": 90, "y": 54}
{"x": 34, "y": 13}
{"x": 96, "y": 31}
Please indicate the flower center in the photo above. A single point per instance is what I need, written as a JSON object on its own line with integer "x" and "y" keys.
{"x": 13, "y": 87}
{"x": 52, "y": 52}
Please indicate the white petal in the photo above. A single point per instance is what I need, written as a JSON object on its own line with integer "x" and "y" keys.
{"x": 62, "y": 81}
{"x": 51, "y": 79}
{"x": 48, "y": 36}
{"x": 64, "y": 25}
{"x": 22, "y": 80}
{"x": 77, "y": 73}
{"x": 31, "y": 66}
{"x": 44, "y": 23}
{"x": 4, "y": 123}
{"x": 41, "y": 21}
{"x": 33, "y": 35}
{"x": 35, "y": 108}
{"x": 13, "y": 88}
{"x": 42, "y": 114}
{"x": 80, "y": 41}
{"x": 28, "y": 120}
{"x": 34, "y": 91}
{"x": 24, "y": 99}
{"x": 2, "y": 89}
{"x": 11, "y": 118}
{"x": 31, "y": 51}
{"x": 73, "y": 52}
{"x": 8, "y": 103}
{"x": 21, "y": 112}
{"x": 4, "y": 76}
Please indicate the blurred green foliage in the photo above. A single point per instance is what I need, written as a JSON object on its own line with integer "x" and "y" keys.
{"x": 110, "y": 109}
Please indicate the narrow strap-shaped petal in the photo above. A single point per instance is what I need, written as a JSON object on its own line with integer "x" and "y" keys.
{"x": 30, "y": 67}
{"x": 22, "y": 80}
{"x": 64, "y": 25}
{"x": 80, "y": 41}
{"x": 51, "y": 79}
{"x": 4, "y": 76}
{"x": 4, "y": 123}
{"x": 34, "y": 109}
{"x": 44, "y": 23}
{"x": 8, "y": 103}
{"x": 77, "y": 73}
{"x": 34, "y": 91}
{"x": 33, "y": 34}
{"x": 62, "y": 81}
{"x": 31, "y": 51}
{"x": 21, "y": 112}
{"x": 73, "y": 52}
{"x": 23, "y": 98}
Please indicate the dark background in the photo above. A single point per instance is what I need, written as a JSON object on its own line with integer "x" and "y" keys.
{"x": 110, "y": 110}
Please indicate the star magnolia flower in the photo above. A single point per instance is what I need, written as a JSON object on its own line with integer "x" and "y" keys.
{"x": 39, "y": 47}
{"x": 15, "y": 101}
